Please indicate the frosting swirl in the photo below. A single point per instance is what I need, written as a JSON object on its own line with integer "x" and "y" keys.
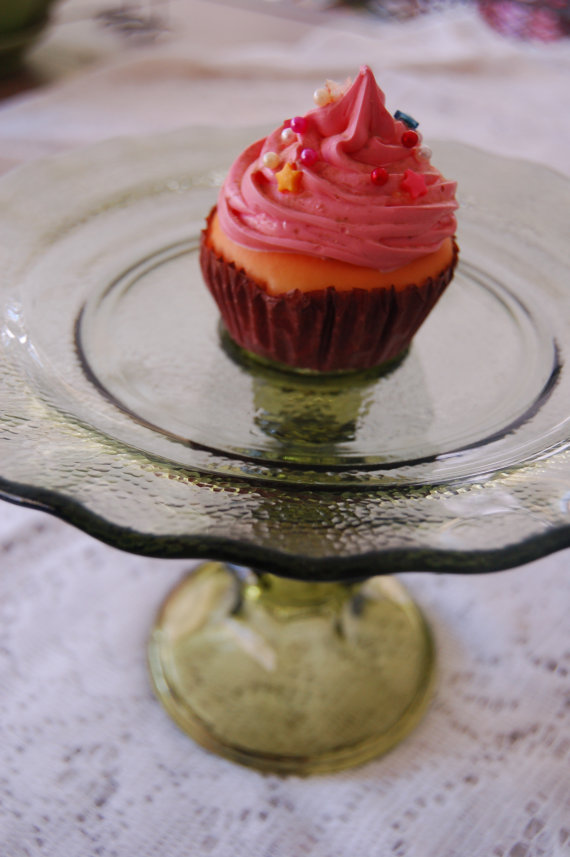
{"x": 335, "y": 210}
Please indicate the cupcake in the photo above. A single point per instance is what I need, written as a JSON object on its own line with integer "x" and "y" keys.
{"x": 333, "y": 237}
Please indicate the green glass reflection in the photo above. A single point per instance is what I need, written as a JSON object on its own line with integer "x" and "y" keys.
{"x": 290, "y": 676}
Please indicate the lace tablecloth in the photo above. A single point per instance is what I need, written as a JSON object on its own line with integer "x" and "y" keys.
{"x": 89, "y": 762}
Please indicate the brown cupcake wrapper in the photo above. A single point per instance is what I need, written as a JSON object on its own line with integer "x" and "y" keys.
{"x": 325, "y": 330}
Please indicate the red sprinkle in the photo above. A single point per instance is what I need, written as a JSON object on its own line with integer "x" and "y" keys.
{"x": 410, "y": 139}
{"x": 379, "y": 176}
{"x": 299, "y": 124}
{"x": 308, "y": 157}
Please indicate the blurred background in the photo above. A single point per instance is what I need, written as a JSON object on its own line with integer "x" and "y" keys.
{"x": 23, "y": 23}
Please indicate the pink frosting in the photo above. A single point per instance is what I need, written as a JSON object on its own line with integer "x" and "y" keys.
{"x": 338, "y": 212}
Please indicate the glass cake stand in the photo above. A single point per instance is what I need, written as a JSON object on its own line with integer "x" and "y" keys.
{"x": 127, "y": 412}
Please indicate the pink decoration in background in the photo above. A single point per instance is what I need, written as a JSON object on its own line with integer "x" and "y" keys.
{"x": 541, "y": 20}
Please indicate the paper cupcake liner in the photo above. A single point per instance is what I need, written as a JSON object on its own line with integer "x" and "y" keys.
{"x": 325, "y": 330}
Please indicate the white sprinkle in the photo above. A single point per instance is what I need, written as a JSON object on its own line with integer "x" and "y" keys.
{"x": 322, "y": 96}
{"x": 287, "y": 135}
{"x": 271, "y": 160}
{"x": 336, "y": 90}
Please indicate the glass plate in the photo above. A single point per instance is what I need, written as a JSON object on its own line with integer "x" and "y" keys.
{"x": 126, "y": 411}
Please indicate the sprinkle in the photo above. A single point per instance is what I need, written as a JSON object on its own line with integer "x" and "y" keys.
{"x": 406, "y": 118}
{"x": 336, "y": 89}
{"x": 299, "y": 124}
{"x": 287, "y": 135}
{"x": 424, "y": 152}
{"x": 289, "y": 179}
{"x": 414, "y": 184}
{"x": 271, "y": 160}
{"x": 410, "y": 139}
{"x": 330, "y": 92}
{"x": 308, "y": 157}
{"x": 379, "y": 176}
{"x": 322, "y": 96}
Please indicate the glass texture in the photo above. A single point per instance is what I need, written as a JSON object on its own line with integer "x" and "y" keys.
{"x": 126, "y": 411}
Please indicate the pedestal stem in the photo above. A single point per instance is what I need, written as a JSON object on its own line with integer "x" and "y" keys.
{"x": 284, "y": 595}
{"x": 290, "y": 676}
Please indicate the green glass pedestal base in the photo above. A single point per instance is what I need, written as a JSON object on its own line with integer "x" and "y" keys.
{"x": 289, "y": 676}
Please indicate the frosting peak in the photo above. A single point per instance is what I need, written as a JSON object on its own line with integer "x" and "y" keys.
{"x": 357, "y": 118}
{"x": 364, "y": 190}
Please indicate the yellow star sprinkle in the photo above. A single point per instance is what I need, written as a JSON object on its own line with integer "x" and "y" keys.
{"x": 289, "y": 179}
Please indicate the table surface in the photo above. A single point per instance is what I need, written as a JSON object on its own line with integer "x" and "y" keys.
{"x": 89, "y": 763}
